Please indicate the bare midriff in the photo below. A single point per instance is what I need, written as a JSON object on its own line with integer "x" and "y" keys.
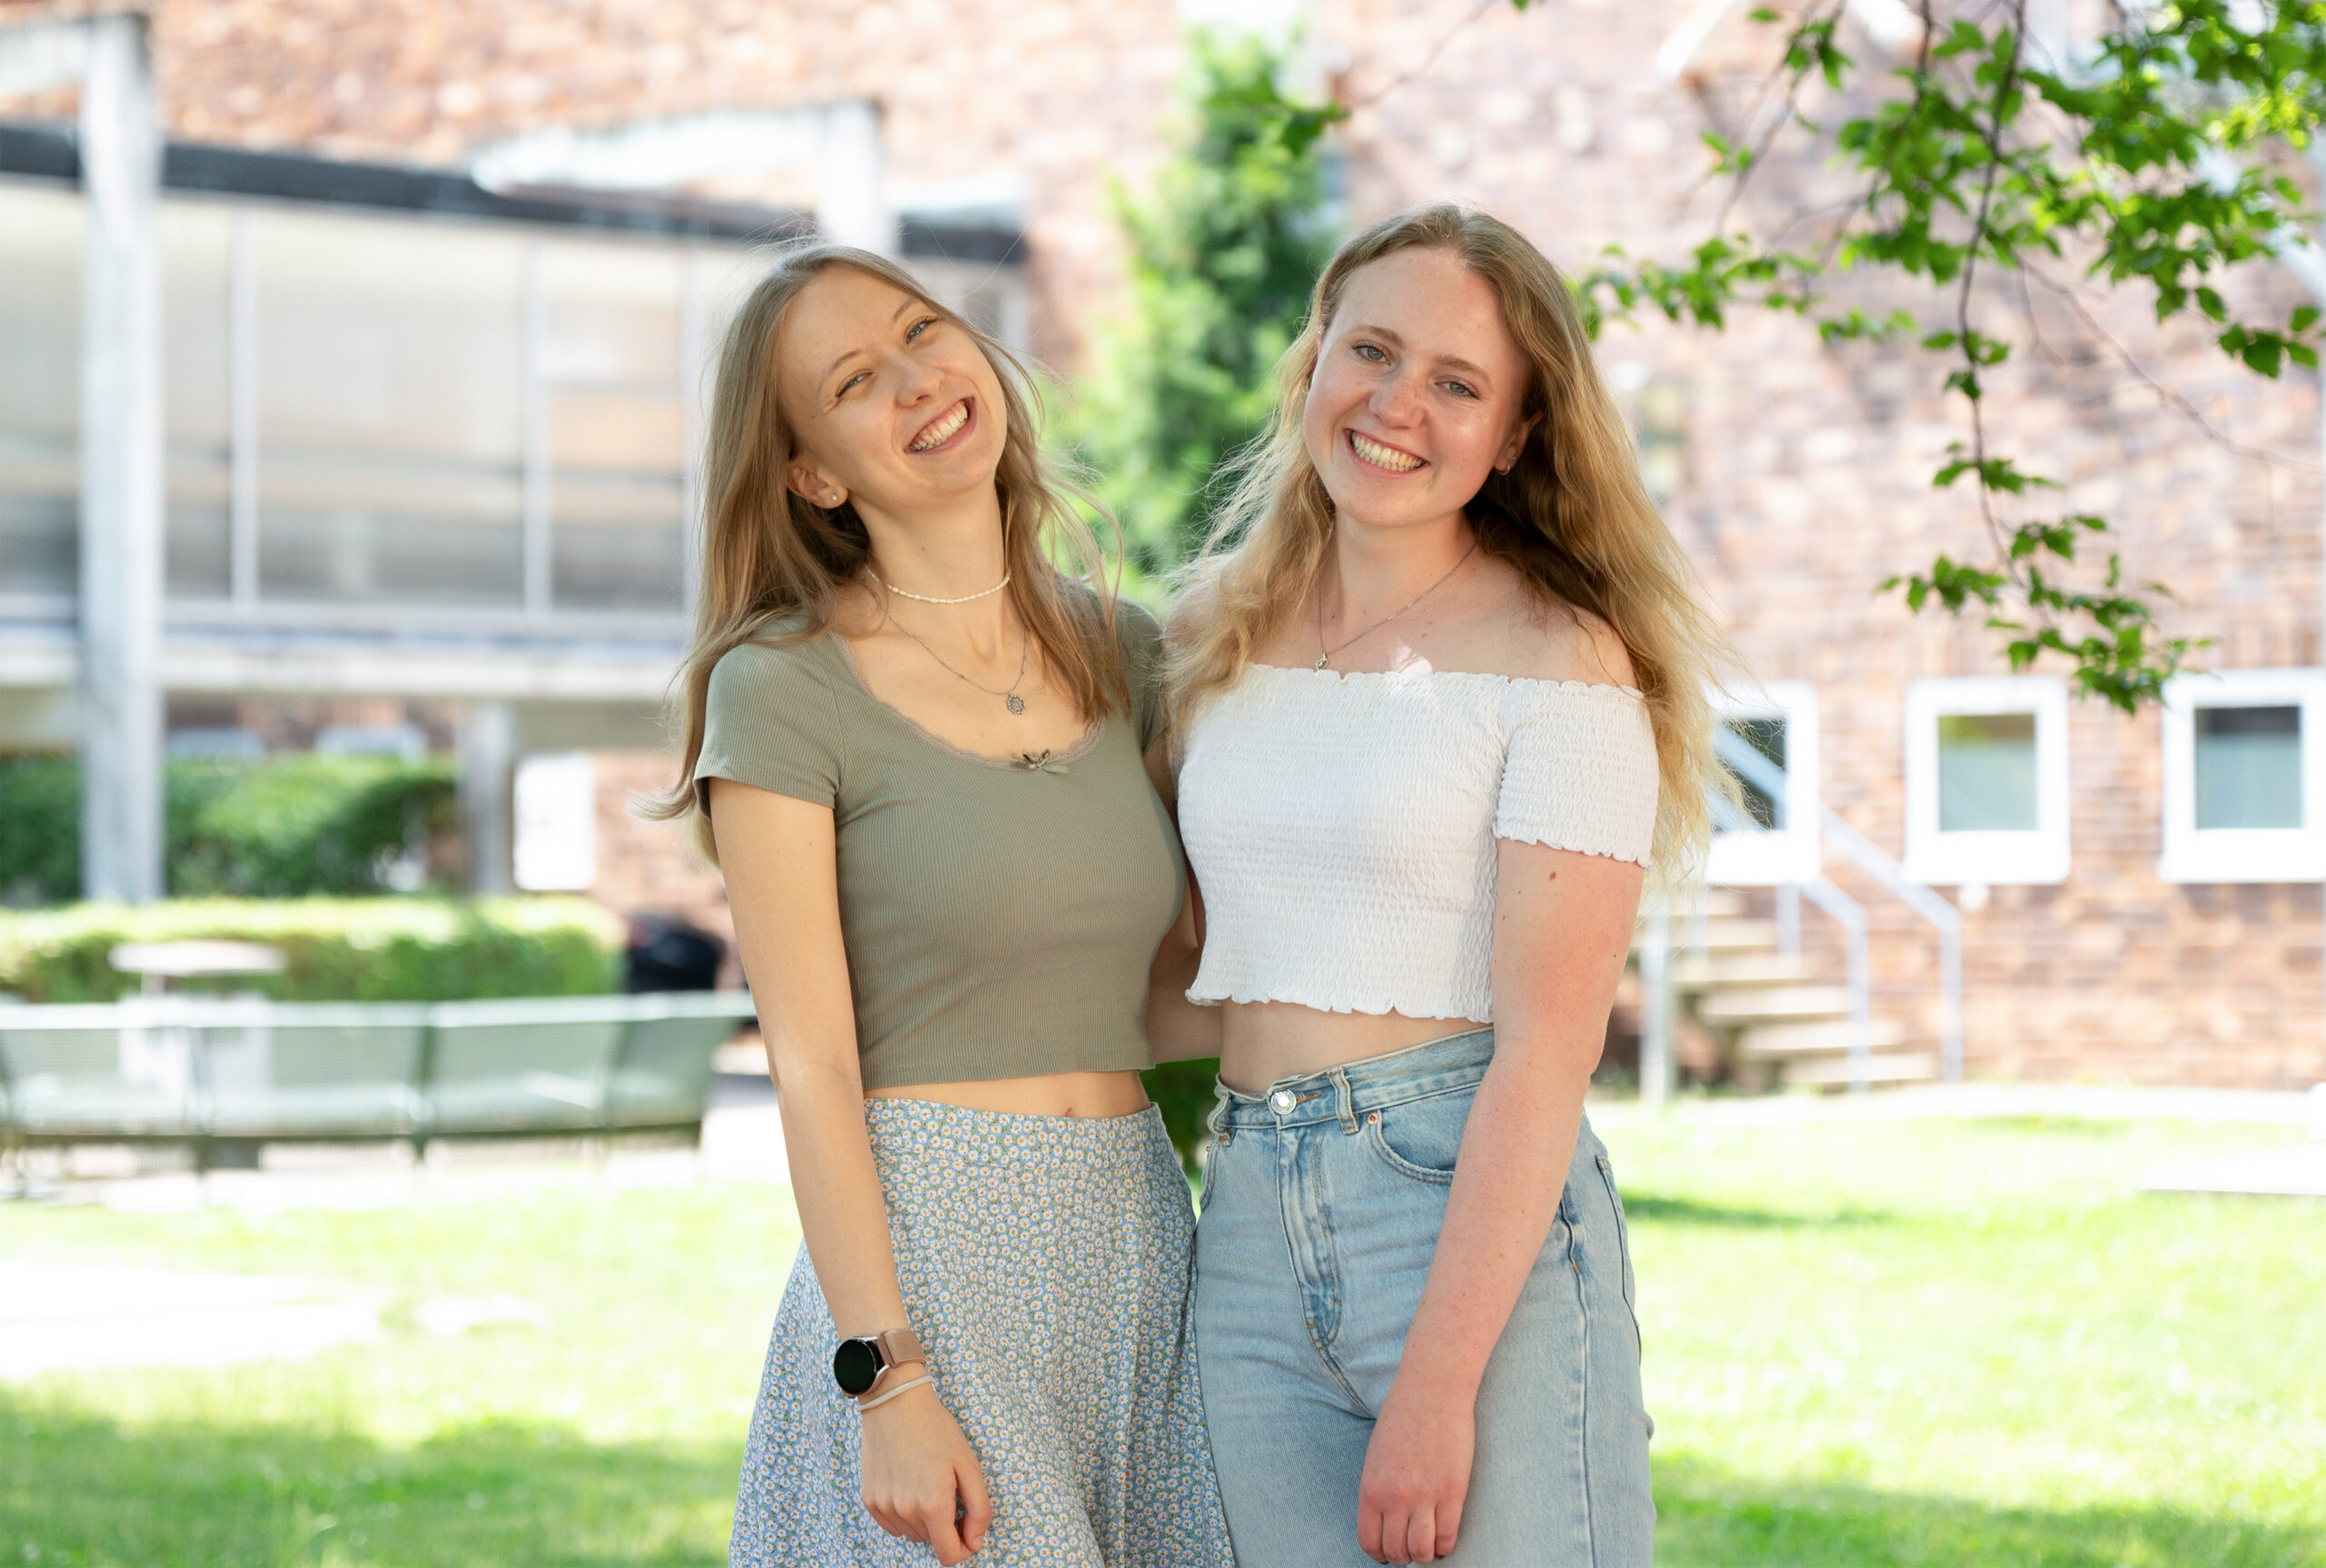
{"x": 1047, "y": 1095}
{"x": 1261, "y": 1042}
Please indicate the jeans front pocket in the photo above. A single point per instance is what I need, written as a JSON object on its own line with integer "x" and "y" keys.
{"x": 1420, "y": 1138}
{"x": 1623, "y": 1240}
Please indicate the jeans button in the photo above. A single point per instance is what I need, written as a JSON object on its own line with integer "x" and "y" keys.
{"x": 1282, "y": 1101}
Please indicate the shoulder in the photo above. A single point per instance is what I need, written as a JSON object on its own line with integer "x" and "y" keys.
{"x": 1542, "y": 637}
{"x": 776, "y": 663}
{"x": 1136, "y": 631}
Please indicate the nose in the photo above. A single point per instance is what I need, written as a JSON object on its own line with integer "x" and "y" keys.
{"x": 916, "y": 379}
{"x": 1398, "y": 397}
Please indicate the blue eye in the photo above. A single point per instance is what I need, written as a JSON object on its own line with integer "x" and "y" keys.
{"x": 1372, "y": 353}
{"x": 1461, "y": 388}
{"x": 850, "y": 384}
{"x": 919, "y": 327}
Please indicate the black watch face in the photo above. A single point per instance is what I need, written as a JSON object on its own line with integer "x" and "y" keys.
{"x": 855, "y": 1365}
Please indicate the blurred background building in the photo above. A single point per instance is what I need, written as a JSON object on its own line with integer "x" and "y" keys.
{"x": 404, "y": 311}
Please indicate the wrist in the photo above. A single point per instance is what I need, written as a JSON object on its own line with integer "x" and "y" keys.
{"x": 1439, "y": 1379}
{"x": 866, "y": 1365}
{"x": 909, "y": 1389}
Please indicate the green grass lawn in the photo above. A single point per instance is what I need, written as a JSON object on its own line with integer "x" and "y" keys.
{"x": 1867, "y": 1344}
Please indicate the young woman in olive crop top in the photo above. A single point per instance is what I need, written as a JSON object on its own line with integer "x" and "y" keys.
{"x": 1439, "y": 685}
{"x": 916, "y": 751}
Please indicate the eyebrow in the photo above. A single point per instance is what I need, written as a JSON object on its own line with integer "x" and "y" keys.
{"x": 845, "y": 354}
{"x": 1451, "y": 361}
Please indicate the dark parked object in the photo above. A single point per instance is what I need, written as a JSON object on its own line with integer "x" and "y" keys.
{"x": 667, "y": 954}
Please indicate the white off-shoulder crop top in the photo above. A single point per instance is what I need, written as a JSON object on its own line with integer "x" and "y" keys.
{"x": 1342, "y": 827}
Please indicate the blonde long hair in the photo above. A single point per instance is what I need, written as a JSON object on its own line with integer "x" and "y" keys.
{"x": 774, "y": 562}
{"x": 1572, "y": 517}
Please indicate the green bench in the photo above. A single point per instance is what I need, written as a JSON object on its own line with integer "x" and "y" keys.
{"x": 227, "y": 1074}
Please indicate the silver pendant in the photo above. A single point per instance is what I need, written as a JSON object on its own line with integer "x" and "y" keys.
{"x": 1016, "y": 703}
{"x": 1320, "y": 661}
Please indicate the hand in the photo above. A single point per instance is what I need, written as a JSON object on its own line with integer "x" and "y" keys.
{"x": 921, "y": 1479}
{"x": 1417, "y": 1473}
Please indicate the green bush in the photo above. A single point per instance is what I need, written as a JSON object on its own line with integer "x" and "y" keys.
{"x": 334, "y": 949}
{"x": 40, "y": 829}
{"x": 277, "y": 826}
{"x": 285, "y": 826}
{"x": 1182, "y": 1091}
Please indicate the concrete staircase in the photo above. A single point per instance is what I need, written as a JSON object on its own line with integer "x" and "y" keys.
{"x": 1773, "y": 1016}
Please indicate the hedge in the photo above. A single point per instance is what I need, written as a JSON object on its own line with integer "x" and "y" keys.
{"x": 275, "y": 826}
{"x": 393, "y": 949}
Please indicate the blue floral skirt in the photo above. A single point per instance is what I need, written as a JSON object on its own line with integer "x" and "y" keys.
{"x": 1044, "y": 1262}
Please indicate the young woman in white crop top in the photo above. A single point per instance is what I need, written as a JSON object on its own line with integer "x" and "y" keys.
{"x": 1438, "y": 691}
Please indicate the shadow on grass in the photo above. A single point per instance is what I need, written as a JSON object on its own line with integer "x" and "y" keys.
{"x": 1709, "y": 1517}
{"x": 1658, "y": 1209}
{"x": 80, "y": 1489}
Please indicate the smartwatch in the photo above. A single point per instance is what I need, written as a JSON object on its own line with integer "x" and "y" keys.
{"x": 858, "y": 1364}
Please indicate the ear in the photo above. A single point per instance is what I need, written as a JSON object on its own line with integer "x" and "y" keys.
{"x": 1516, "y": 443}
{"x": 812, "y": 485}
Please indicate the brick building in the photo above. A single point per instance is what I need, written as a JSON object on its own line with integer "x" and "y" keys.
{"x": 2139, "y": 899}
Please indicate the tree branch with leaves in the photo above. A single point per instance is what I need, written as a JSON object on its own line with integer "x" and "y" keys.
{"x": 2154, "y": 156}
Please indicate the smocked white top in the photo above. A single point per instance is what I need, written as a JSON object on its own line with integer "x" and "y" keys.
{"x": 1342, "y": 827}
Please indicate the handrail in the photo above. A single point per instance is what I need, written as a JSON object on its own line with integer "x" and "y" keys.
{"x": 1766, "y": 776}
{"x": 1850, "y": 915}
{"x": 1940, "y": 912}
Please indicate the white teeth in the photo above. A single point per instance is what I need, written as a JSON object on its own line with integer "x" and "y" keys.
{"x": 1374, "y": 452}
{"x": 939, "y": 434}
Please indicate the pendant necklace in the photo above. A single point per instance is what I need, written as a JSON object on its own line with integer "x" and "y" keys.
{"x": 1010, "y": 698}
{"x": 1385, "y": 621}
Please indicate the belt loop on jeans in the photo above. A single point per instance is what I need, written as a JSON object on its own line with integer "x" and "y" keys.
{"x": 1348, "y": 1105}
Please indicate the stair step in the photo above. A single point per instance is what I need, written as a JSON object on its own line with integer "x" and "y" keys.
{"x": 1709, "y": 973}
{"x": 1719, "y": 904}
{"x": 1777, "y": 1004}
{"x": 1891, "y": 1068}
{"x": 1725, "y": 936}
{"x": 1817, "y": 1040}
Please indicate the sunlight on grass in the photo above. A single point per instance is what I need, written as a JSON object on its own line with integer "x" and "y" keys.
{"x": 1867, "y": 1344}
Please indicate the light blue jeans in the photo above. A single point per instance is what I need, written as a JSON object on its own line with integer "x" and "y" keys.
{"x": 1322, "y": 1203}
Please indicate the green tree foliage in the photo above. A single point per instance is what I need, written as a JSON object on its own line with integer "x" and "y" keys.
{"x": 1223, "y": 255}
{"x": 2154, "y": 156}
{"x": 279, "y": 826}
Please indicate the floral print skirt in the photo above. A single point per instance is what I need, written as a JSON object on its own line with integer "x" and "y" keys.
{"x": 1044, "y": 1262}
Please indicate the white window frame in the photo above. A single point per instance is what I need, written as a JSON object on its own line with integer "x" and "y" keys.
{"x": 2192, "y": 854}
{"x": 1748, "y": 858}
{"x": 2015, "y": 858}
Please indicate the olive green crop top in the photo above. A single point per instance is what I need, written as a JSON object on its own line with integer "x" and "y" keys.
{"x": 1000, "y": 918}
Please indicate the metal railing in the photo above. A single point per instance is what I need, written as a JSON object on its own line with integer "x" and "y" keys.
{"x": 1946, "y": 921}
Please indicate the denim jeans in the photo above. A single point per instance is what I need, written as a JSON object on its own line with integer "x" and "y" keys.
{"x": 1322, "y": 1203}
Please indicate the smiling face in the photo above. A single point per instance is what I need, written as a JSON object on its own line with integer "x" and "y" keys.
{"x": 1419, "y": 392}
{"x": 890, "y": 405}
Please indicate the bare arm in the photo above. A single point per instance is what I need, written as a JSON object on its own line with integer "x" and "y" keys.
{"x": 1563, "y": 925}
{"x": 782, "y": 883}
{"x": 1178, "y": 1030}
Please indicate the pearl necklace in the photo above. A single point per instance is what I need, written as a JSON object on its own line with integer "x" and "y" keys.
{"x": 926, "y": 599}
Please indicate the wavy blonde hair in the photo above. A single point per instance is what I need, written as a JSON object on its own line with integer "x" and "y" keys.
{"x": 1572, "y": 517}
{"x": 773, "y": 562}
